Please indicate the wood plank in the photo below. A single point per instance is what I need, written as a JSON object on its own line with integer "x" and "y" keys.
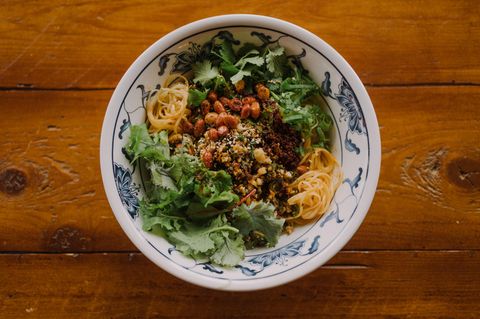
{"x": 354, "y": 284}
{"x": 429, "y": 187}
{"x": 63, "y": 44}
{"x": 428, "y": 195}
{"x": 53, "y": 138}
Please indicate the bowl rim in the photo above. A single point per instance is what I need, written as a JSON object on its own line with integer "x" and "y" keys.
{"x": 225, "y": 21}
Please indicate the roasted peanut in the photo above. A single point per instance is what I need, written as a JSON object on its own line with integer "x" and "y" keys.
{"x": 231, "y": 121}
{"x": 223, "y": 131}
{"x": 302, "y": 169}
{"x": 239, "y": 86}
{"x": 255, "y": 110}
{"x": 218, "y": 107}
{"x": 207, "y": 159}
{"x": 248, "y": 100}
{"x": 199, "y": 128}
{"x": 205, "y": 107}
{"x": 262, "y": 171}
{"x": 245, "y": 113}
{"x": 220, "y": 119}
{"x": 236, "y": 105}
{"x": 210, "y": 118}
{"x": 213, "y": 134}
{"x": 261, "y": 157}
{"x": 225, "y": 101}
{"x": 262, "y": 91}
{"x": 212, "y": 96}
{"x": 186, "y": 127}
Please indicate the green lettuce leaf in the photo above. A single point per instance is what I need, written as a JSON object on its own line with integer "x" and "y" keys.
{"x": 258, "y": 217}
{"x": 142, "y": 145}
{"x": 230, "y": 248}
{"x": 155, "y": 215}
{"x": 217, "y": 241}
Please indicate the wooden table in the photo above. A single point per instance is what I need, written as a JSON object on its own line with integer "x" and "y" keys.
{"x": 62, "y": 253}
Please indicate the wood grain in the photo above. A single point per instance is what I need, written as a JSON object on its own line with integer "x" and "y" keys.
{"x": 89, "y": 44}
{"x": 353, "y": 284}
{"x": 428, "y": 136}
{"x": 53, "y": 138}
{"x": 417, "y": 255}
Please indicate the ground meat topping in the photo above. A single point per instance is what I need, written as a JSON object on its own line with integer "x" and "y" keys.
{"x": 281, "y": 140}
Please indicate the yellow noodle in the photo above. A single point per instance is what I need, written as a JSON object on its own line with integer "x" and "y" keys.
{"x": 168, "y": 107}
{"x": 316, "y": 188}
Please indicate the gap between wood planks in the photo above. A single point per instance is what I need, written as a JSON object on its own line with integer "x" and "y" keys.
{"x": 349, "y": 251}
{"x": 30, "y": 87}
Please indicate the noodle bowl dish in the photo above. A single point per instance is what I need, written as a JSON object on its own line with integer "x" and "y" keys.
{"x": 240, "y": 152}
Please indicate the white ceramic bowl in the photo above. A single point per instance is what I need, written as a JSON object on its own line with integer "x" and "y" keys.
{"x": 355, "y": 138}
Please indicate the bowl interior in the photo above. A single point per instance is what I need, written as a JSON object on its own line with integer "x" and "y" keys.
{"x": 308, "y": 244}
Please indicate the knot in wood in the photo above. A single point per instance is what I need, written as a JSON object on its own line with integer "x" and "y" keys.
{"x": 464, "y": 172}
{"x": 12, "y": 181}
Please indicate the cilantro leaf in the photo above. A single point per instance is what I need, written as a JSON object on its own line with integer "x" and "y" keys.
{"x": 259, "y": 217}
{"x": 226, "y": 52}
{"x": 195, "y": 97}
{"x": 229, "y": 68}
{"x": 252, "y": 58}
{"x": 239, "y": 75}
{"x": 310, "y": 120}
{"x": 246, "y": 47}
{"x": 241, "y": 68}
{"x": 276, "y": 61}
{"x": 204, "y": 72}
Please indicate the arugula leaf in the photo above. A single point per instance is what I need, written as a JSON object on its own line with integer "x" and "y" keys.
{"x": 259, "y": 217}
{"x": 195, "y": 97}
{"x": 204, "y": 72}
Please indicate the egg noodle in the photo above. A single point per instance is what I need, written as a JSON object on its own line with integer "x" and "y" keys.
{"x": 168, "y": 107}
{"x": 317, "y": 186}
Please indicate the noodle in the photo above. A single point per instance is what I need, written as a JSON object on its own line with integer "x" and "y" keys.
{"x": 168, "y": 107}
{"x": 317, "y": 186}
